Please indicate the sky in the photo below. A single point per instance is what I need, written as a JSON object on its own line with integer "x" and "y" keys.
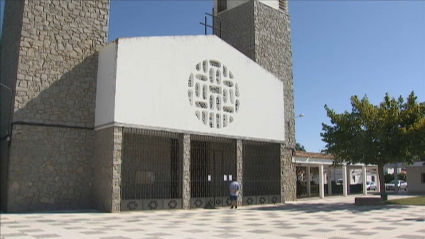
{"x": 339, "y": 48}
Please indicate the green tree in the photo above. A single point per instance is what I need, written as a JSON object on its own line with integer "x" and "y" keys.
{"x": 299, "y": 147}
{"x": 391, "y": 132}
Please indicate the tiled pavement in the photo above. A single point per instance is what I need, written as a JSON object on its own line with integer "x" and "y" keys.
{"x": 333, "y": 217}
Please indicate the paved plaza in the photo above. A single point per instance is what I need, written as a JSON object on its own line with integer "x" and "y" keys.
{"x": 332, "y": 217}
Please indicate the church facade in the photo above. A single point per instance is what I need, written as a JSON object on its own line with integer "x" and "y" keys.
{"x": 144, "y": 123}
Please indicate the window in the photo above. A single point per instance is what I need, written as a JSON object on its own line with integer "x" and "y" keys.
{"x": 282, "y": 4}
{"x": 423, "y": 177}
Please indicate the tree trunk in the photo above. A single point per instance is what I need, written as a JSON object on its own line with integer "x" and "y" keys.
{"x": 384, "y": 195}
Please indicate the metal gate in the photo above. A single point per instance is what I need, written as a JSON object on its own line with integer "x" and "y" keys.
{"x": 151, "y": 170}
{"x": 212, "y": 168}
{"x": 261, "y": 173}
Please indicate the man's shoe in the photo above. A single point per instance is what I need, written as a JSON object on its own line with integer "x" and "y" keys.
{"x": 236, "y": 207}
{"x": 231, "y": 207}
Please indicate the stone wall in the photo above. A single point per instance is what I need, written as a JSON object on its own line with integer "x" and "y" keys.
{"x": 263, "y": 34}
{"x": 237, "y": 25}
{"x": 55, "y": 96}
{"x": 56, "y": 78}
{"x": 49, "y": 169}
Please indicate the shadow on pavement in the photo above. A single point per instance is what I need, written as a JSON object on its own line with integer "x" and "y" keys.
{"x": 327, "y": 207}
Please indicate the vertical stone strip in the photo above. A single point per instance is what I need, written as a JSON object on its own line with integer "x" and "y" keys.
{"x": 102, "y": 169}
{"x": 186, "y": 171}
{"x": 116, "y": 170}
{"x": 288, "y": 183}
{"x": 239, "y": 168}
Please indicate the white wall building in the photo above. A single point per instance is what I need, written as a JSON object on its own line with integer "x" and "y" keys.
{"x": 416, "y": 177}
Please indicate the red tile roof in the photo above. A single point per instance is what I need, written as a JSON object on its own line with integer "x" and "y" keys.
{"x": 313, "y": 155}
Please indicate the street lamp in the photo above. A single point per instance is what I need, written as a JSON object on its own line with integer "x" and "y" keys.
{"x": 300, "y": 115}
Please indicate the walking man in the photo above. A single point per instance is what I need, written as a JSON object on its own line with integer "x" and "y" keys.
{"x": 234, "y": 189}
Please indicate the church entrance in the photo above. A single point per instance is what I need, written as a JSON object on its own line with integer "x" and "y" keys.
{"x": 212, "y": 168}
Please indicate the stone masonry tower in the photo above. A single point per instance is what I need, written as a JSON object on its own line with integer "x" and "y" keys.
{"x": 261, "y": 30}
{"x": 49, "y": 63}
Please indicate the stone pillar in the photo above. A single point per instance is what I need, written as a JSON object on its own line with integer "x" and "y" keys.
{"x": 344, "y": 180}
{"x": 288, "y": 177}
{"x": 349, "y": 177}
{"x": 186, "y": 170}
{"x": 239, "y": 169}
{"x": 116, "y": 170}
{"x": 321, "y": 183}
{"x": 308, "y": 181}
{"x": 329, "y": 181}
{"x": 364, "y": 179}
{"x": 106, "y": 166}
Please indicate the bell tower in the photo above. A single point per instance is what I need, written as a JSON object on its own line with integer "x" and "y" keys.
{"x": 49, "y": 65}
{"x": 260, "y": 29}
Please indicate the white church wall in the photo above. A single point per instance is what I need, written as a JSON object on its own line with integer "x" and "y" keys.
{"x": 152, "y": 89}
{"x": 105, "y": 91}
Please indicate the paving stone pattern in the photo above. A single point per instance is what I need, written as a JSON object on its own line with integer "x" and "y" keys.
{"x": 301, "y": 219}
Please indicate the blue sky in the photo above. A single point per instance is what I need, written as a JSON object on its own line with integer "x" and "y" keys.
{"x": 340, "y": 49}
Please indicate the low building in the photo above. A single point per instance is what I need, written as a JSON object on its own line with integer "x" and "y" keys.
{"x": 416, "y": 177}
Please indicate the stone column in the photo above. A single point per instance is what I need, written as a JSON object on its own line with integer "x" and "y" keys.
{"x": 321, "y": 184}
{"x": 116, "y": 170}
{"x": 308, "y": 181}
{"x": 106, "y": 166}
{"x": 364, "y": 179}
{"x": 239, "y": 169}
{"x": 344, "y": 180}
{"x": 186, "y": 170}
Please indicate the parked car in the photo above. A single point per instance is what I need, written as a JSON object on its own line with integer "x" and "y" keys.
{"x": 402, "y": 185}
{"x": 371, "y": 186}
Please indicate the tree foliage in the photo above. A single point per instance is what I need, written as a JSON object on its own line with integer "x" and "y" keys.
{"x": 393, "y": 131}
{"x": 299, "y": 147}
